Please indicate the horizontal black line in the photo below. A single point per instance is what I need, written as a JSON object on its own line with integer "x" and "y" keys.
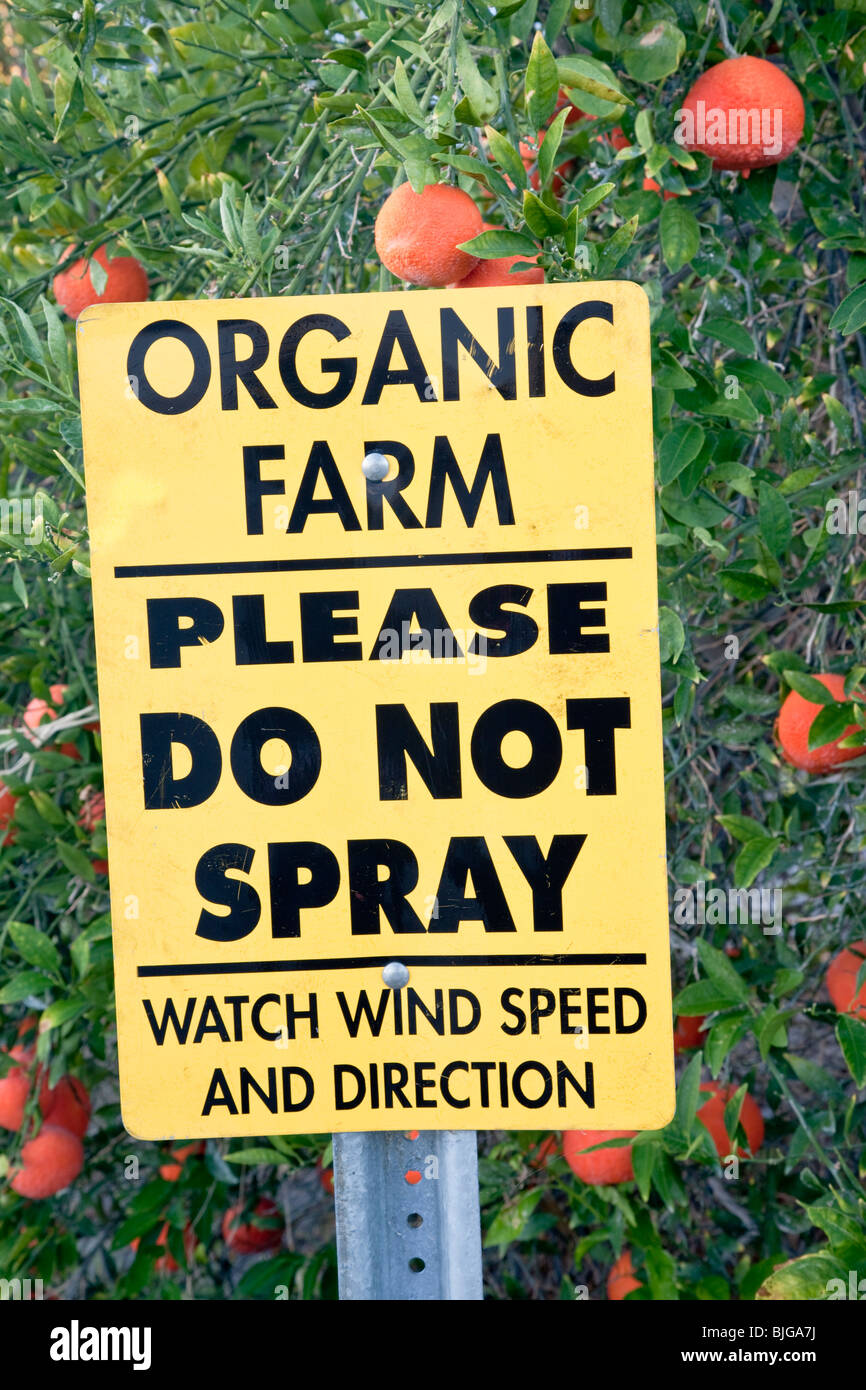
{"x": 252, "y": 967}
{"x": 371, "y": 562}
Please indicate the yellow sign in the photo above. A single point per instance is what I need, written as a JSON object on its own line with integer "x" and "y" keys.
{"x": 383, "y": 756}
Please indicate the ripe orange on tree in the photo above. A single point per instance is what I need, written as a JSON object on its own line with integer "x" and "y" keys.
{"x": 746, "y": 84}
{"x": 248, "y": 1232}
{"x": 841, "y": 980}
{"x": 603, "y": 1166}
{"x": 796, "y": 718}
{"x": 621, "y": 1279}
{"x": 66, "y": 1105}
{"x": 14, "y": 1090}
{"x": 50, "y": 1161}
{"x": 417, "y": 234}
{"x": 687, "y": 1033}
{"x": 712, "y": 1116}
{"x": 126, "y": 283}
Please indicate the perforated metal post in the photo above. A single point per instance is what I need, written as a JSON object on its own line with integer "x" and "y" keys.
{"x": 408, "y": 1216}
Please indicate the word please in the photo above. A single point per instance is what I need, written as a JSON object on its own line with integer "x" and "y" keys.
{"x": 414, "y": 620}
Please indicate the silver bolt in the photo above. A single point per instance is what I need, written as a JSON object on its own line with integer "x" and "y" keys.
{"x": 395, "y": 975}
{"x": 375, "y": 467}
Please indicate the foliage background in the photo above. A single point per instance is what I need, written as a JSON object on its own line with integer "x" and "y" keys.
{"x": 245, "y": 149}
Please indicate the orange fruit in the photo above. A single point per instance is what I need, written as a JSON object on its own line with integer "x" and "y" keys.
{"x": 126, "y": 283}
{"x": 841, "y": 980}
{"x": 14, "y": 1090}
{"x": 687, "y": 1033}
{"x": 751, "y": 85}
{"x": 39, "y": 712}
{"x": 795, "y": 720}
{"x": 66, "y": 1105}
{"x": 100, "y": 866}
{"x": 417, "y": 234}
{"x": 51, "y": 1161}
{"x": 603, "y": 1166}
{"x": 8, "y": 803}
{"x": 261, "y": 1230}
{"x": 172, "y": 1171}
{"x": 498, "y": 270}
{"x": 621, "y": 1280}
{"x": 618, "y": 138}
{"x": 712, "y": 1116}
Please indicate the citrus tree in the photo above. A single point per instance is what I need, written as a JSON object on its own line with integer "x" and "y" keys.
{"x": 177, "y": 151}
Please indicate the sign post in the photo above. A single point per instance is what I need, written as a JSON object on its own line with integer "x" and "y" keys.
{"x": 376, "y": 627}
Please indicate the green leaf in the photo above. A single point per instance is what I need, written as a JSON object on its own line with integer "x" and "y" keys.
{"x": 483, "y": 99}
{"x": 542, "y": 82}
{"x": 250, "y": 239}
{"x": 808, "y": 687}
{"x": 672, "y": 635}
{"x": 30, "y": 339}
{"x": 490, "y": 245}
{"x": 755, "y": 855}
{"x": 680, "y": 234}
{"x": 256, "y": 1154}
{"x": 850, "y": 317}
{"x": 506, "y": 156}
{"x": 549, "y": 145}
{"x": 98, "y": 275}
{"x": 613, "y": 250}
{"x": 701, "y": 997}
{"x": 643, "y": 1161}
{"x": 851, "y": 1035}
{"x": 75, "y": 860}
{"x": 832, "y": 722}
{"x": 805, "y": 1278}
{"x": 721, "y": 973}
{"x": 60, "y": 1012}
{"x": 36, "y": 948}
{"x": 775, "y": 521}
{"x": 655, "y": 53}
{"x": 598, "y": 89}
{"x": 813, "y": 1076}
{"x": 677, "y": 449}
{"x": 720, "y": 1040}
{"x": 542, "y": 220}
{"x": 741, "y": 827}
{"x": 511, "y": 1221}
{"x": 29, "y": 982}
{"x": 688, "y": 1094}
{"x": 407, "y": 100}
{"x": 592, "y": 199}
{"x": 728, "y": 332}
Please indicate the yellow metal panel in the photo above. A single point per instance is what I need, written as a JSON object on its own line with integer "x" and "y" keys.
{"x": 525, "y": 1006}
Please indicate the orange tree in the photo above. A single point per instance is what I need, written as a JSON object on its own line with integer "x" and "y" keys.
{"x": 237, "y": 150}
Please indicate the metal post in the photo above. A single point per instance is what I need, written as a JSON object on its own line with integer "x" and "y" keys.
{"x": 408, "y": 1216}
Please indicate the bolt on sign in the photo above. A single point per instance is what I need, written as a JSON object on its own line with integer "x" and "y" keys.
{"x": 383, "y": 750}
